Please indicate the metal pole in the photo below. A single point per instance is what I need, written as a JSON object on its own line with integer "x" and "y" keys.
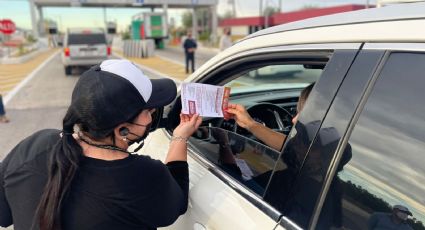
{"x": 234, "y": 8}
{"x": 194, "y": 23}
{"x": 280, "y": 6}
{"x": 214, "y": 23}
{"x": 105, "y": 19}
{"x": 261, "y": 8}
{"x": 42, "y": 29}
{"x": 266, "y": 14}
{"x": 367, "y": 4}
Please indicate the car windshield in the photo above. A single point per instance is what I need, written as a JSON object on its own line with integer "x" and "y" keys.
{"x": 274, "y": 77}
{"x": 89, "y": 39}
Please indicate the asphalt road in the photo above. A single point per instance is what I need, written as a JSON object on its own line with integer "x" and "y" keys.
{"x": 40, "y": 104}
{"x": 176, "y": 54}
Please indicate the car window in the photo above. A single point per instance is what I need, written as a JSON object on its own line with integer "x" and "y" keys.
{"x": 86, "y": 39}
{"x": 252, "y": 162}
{"x": 247, "y": 160}
{"x": 380, "y": 185}
{"x": 275, "y": 82}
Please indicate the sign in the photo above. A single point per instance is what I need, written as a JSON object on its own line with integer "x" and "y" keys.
{"x": 7, "y": 26}
{"x": 205, "y": 100}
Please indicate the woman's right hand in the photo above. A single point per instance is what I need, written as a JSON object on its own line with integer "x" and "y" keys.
{"x": 188, "y": 125}
{"x": 241, "y": 116}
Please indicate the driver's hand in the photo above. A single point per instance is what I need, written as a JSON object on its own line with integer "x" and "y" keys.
{"x": 241, "y": 116}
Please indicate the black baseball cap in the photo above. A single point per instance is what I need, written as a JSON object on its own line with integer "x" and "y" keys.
{"x": 116, "y": 91}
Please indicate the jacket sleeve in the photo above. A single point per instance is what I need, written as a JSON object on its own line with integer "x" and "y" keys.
{"x": 5, "y": 213}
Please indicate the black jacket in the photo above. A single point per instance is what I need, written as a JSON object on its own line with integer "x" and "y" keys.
{"x": 136, "y": 192}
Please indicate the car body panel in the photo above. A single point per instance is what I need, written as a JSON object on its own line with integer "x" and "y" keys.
{"x": 217, "y": 200}
{"x": 390, "y": 13}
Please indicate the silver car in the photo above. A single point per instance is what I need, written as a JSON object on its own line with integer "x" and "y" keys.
{"x": 84, "y": 47}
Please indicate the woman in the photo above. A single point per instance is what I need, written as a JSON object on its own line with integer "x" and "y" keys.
{"x": 83, "y": 177}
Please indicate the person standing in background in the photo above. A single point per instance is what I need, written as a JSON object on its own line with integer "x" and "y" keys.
{"x": 189, "y": 46}
{"x": 3, "y": 118}
{"x": 226, "y": 40}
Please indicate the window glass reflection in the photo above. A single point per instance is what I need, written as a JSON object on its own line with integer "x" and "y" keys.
{"x": 244, "y": 159}
{"x": 383, "y": 182}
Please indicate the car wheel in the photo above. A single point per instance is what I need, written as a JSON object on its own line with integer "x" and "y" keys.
{"x": 68, "y": 70}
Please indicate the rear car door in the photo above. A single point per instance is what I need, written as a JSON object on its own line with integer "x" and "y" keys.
{"x": 220, "y": 199}
{"x": 301, "y": 206}
{"x": 381, "y": 185}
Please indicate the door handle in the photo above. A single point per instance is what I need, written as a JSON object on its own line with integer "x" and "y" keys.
{"x": 198, "y": 226}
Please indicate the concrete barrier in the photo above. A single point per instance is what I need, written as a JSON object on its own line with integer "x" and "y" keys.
{"x": 139, "y": 48}
{"x": 21, "y": 59}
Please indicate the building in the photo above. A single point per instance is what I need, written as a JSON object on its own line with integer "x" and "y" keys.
{"x": 241, "y": 27}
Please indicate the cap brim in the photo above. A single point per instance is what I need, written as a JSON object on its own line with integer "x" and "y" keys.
{"x": 164, "y": 91}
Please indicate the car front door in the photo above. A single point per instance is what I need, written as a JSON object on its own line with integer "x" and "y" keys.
{"x": 224, "y": 196}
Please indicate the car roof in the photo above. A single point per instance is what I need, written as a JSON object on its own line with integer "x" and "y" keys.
{"x": 391, "y": 24}
{"x": 406, "y": 11}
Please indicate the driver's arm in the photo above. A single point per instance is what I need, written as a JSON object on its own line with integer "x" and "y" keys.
{"x": 271, "y": 138}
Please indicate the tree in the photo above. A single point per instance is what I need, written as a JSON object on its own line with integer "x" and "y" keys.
{"x": 187, "y": 20}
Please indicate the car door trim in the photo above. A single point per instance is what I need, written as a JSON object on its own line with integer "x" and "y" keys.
{"x": 277, "y": 49}
{"x": 418, "y": 47}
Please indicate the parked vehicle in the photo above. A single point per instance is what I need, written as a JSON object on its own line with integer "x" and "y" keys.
{"x": 84, "y": 47}
{"x": 357, "y": 150}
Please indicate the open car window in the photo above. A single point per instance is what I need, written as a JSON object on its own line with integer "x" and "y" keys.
{"x": 269, "y": 93}
{"x": 268, "y": 86}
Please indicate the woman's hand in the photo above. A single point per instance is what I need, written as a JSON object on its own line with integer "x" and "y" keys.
{"x": 188, "y": 125}
{"x": 241, "y": 116}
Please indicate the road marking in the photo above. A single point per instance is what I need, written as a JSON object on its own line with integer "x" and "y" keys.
{"x": 30, "y": 76}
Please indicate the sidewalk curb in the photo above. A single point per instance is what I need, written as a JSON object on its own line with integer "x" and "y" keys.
{"x": 20, "y": 60}
{"x": 153, "y": 70}
{"x": 30, "y": 76}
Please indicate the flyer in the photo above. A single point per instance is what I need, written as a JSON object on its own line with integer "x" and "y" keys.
{"x": 205, "y": 100}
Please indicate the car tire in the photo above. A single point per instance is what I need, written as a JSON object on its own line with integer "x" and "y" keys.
{"x": 68, "y": 70}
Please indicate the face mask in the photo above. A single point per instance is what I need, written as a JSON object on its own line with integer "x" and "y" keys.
{"x": 401, "y": 215}
{"x": 140, "y": 140}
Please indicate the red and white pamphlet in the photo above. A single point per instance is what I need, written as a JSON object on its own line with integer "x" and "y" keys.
{"x": 205, "y": 100}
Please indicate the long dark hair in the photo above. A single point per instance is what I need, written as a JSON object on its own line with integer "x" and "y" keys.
{"x": 63, "y": 166}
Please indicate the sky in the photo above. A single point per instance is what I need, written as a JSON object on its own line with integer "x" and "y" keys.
{"x": 19, "y": 12}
